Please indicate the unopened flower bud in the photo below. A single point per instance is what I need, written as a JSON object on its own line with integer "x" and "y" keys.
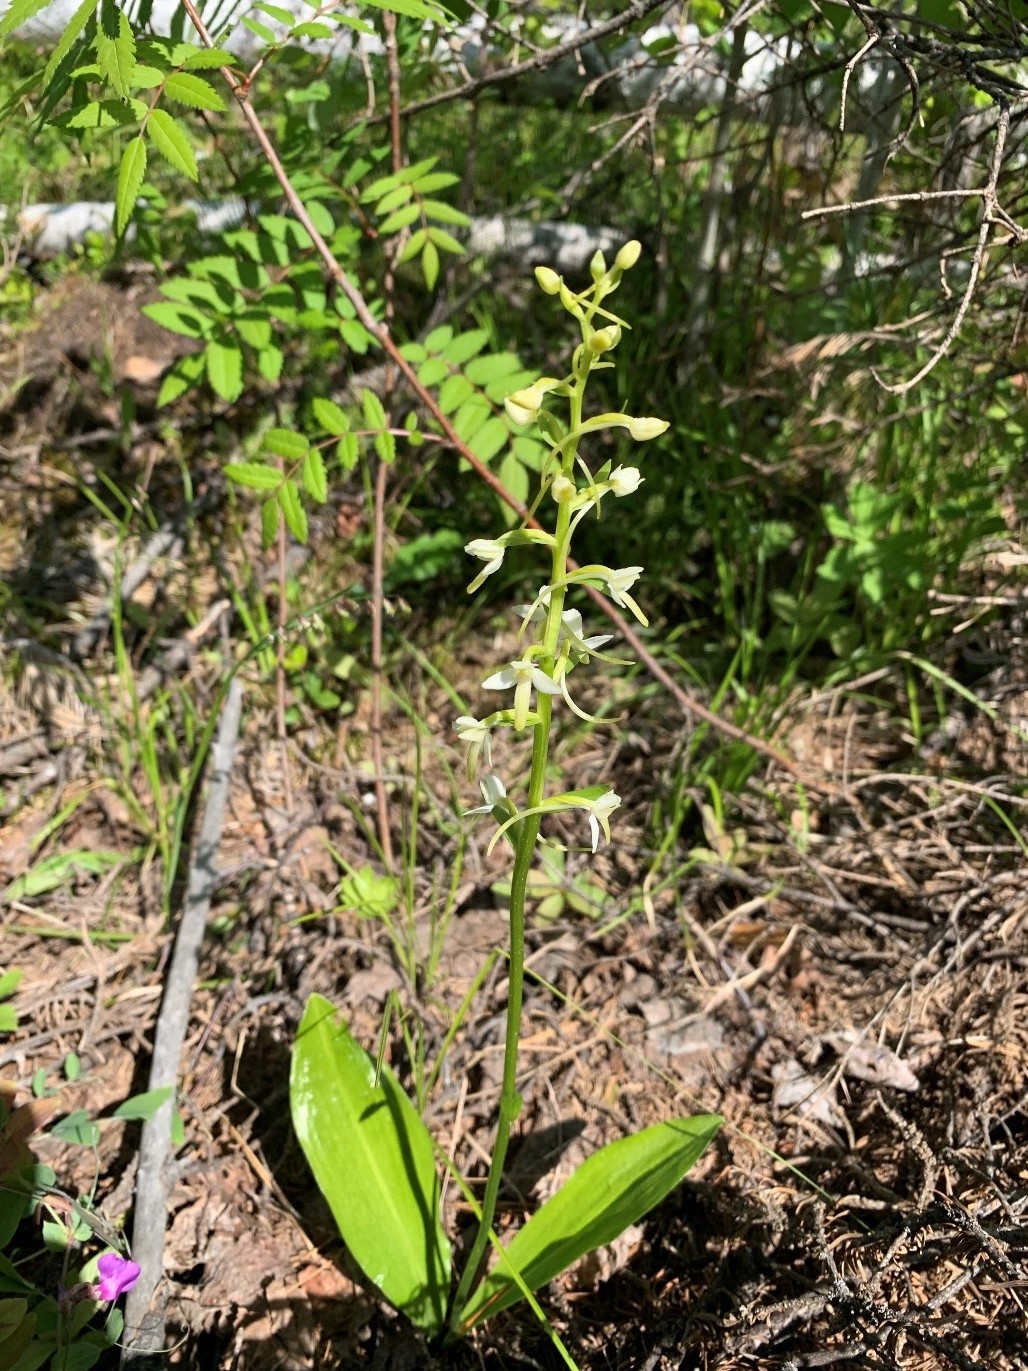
{"x": 628, "y": 255}
{"x": 563, "y": 489}
{"x": 523, "y": 405}
{"x": 604, "y": 339}
{"x": 646, "y": 428}
{"x": 598, "y": 266}
{"x": 569, "y": 300}
{"x": 548, "y": 280}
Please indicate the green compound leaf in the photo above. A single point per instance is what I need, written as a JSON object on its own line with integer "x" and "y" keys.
{"x": 194, "y": 91}
{"x": 611, "y": 1190}
{"x": 225, "y": 370}
{"x": 374, "y": 1162}
{"x": 171, "y": 142}
{"x": 130, "y": 179}
{"x": 115, "y": 49}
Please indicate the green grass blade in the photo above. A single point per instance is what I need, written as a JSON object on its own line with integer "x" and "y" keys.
{"x": 612, "y": 1189}
{"x": 373, "y": 1160}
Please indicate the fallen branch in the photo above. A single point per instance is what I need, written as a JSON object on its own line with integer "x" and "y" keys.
{"x": 146, "y": 1304}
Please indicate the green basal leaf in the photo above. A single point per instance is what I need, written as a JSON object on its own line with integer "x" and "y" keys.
{"x": 194, "y": 91}
{"x": 130, "y": 181}
{"x": 293, "y": 511}
{"x": 611, "y": 1190}
{"x": 115, "y": 49}
{"x": 374, "y": 1162}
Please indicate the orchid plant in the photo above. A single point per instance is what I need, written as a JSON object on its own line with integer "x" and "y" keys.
{"x": 351, "y": 1116}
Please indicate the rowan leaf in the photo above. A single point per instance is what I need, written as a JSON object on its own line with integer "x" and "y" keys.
{"x": 171, "y": 142}
{"x": 186, "y": 89}
{"x": 130, "y": 180}
{"x": 115, "y": 49}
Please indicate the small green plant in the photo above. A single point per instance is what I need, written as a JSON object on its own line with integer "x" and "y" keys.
{"x": 51, "y": 1292}
{"x": 350, "y": 1113}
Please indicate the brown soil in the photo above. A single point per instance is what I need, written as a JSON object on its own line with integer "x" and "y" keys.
{"x": 844, "y": 982}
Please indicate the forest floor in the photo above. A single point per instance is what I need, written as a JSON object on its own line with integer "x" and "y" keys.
{"x": 843, "y": 976}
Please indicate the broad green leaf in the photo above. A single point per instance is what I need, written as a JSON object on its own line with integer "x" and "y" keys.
{"x": 145, "y": 77}
{"x": 60, "y": 869}
{"x": 293, "y": 511}
{"x": 347, "y": 451}
{"x": 254, "y": 329}
{"x": 330, "y": 416}
{"x": 77, "y": 1127}
{"x": 453, "y": 392}
{"x": 17, "y": 1336}
{"x": 225, "y": 370}
{"x": 430, "y": 263}
{"x": 315, "y": 481}
{"x": 611, "y": 1190}
{"x": 374, "y": 1162}
{"x": 171, "y": 142}
{"x": 144, "y": 1106}
{"x": 433, "y": 371}
{"x": 74, "y": 27}
{"x": 283, "y": 442}
{"x": 254, "y": 474}
{"x": 8, "y": 1018}
{"x": 130, "y": 179}
{"x": 494, "y": 366}
{"x": 115, "y": 48}
{"x": 194, "y": 91}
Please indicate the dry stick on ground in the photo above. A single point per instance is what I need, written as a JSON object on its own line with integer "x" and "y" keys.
{"x": 379, "y": 332}
{"x": 145, "y": 1305}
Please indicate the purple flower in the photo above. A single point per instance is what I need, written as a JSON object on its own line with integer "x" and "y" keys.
{"x": 117, "y": 1275}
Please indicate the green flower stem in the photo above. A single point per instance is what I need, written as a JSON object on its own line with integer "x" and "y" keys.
{"x": 526, "y": 836}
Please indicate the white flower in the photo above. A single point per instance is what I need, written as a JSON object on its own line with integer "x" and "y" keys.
{"x": 619, "y": 583}
{"x": 522, "y": 406}
{"x": 624, "y": 480}
{"x": 494, "y": 792}
{"x": 521, "y": 676}
{"x": 488, "y": 550}
{"x": 599, "y": 816}
{"x": 478, "y": 738}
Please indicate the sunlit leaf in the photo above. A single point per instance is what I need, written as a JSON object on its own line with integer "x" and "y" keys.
{"x": 611, "y": 1190}
{"x": 374, "y": 1162}
{"x": 171, "y": 142}
{"x": 130, "y": 181}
